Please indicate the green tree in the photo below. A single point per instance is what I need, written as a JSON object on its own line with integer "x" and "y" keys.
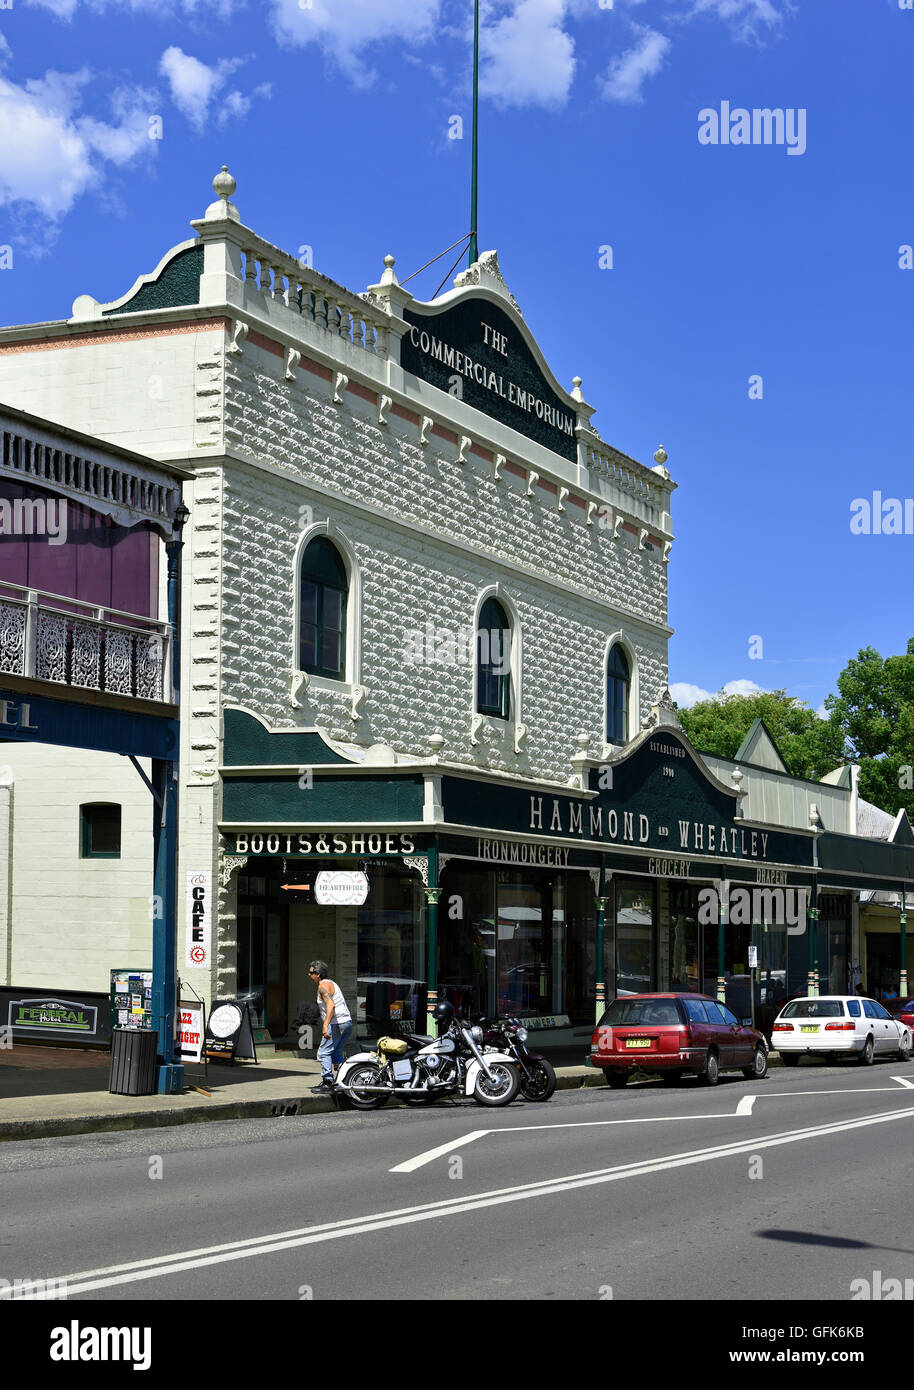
{"x": 810, "y": 746}
{"x": 874, "y": 710}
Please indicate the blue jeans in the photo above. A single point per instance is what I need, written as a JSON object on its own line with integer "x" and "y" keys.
{"x": 330, "y": 1052}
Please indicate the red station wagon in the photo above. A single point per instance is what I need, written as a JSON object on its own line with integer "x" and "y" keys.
{"x": 675, "y": 1034}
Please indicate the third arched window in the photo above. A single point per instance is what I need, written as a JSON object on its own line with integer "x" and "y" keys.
{"x": 618, "y": 685}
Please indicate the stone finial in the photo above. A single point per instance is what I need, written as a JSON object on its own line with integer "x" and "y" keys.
{"x": 583, "y": 741}
{"x": 436, "y": 743}
{"x": 389, "y": 278}
{"x": 224, "y": 186}
{"x": 660, "y": 458}
{"x": 576, "y": 388}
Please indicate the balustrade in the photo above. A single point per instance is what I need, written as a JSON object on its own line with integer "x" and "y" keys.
{"x": 61, "y": 640}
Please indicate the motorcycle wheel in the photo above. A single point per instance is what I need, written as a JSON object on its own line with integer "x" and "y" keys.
{"x": 369, "y": 1075}
{"x": 504, "y": 1088}
{"x": 539, "y": 1084}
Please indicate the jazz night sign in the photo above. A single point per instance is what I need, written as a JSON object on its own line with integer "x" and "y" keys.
{"x": 475, "y": 351}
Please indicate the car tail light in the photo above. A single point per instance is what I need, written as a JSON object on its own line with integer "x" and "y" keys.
{"x": 840, "y": 1027}
{"x": 782, "y": 1028}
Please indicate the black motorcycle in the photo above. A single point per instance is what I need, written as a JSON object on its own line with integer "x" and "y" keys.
{"x": 537, "y": 1076}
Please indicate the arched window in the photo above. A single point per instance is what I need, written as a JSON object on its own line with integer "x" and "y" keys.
{"x": 618, "y": 684}
{"x": 323, "y": 591}
{"x": 493, "y": 661}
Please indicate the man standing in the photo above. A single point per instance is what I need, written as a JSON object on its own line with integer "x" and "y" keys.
{"x": 336, "y": 1024}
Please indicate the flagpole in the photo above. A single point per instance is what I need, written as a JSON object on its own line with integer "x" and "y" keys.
{"x": 474, "y": 249}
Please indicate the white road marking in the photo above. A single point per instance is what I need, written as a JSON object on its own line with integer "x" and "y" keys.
{"x": 139, "y": 1270}
{"x": 903, "y": 1081}
{"x": 412, "y": 1164}
{"x": 420, "y": 1160}
{"x": 745, "y": 1105}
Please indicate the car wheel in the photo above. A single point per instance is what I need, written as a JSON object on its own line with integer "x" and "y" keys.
{"x": 790, "y": 1059}
{"x": 711, "y": 1074}
{"x": 904, "y": 1050}
{"x": 616, "y": 1079}
{"x": 868, "y": 1053}
{"x": 759, "y": 1066}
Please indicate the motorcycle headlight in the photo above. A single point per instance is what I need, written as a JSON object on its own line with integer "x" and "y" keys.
{"x": 522, "y": 1034}
{"x": 476, "y": 1034}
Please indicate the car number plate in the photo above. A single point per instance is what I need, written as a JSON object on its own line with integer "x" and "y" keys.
{"x": 637, "y": 1042}
{"x": 809, "y": 1027}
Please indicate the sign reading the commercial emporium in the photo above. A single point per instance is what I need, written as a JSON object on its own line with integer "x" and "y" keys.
{"x": 475, "y": 351}
{"x": 343, "y": 887}
{"x": 199, "y": 905}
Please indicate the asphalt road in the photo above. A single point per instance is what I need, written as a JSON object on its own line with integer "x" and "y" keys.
{"x": 787, "y": 1189}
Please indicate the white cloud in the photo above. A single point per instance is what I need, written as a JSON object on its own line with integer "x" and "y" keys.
{"x": 748, "y": 18}
{"x": 5, "y": 51}
{"x": 686, "y": 695}
{"x": 527, "y": 59}
{"x": 51, "y": 154}
{"x": 344, "y": 29}
{"x": 627, "y": 74}
{"x": 194, "y": 86}
{"x": 65, "y": 9}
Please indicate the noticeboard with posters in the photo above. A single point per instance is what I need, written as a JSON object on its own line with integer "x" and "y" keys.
{"x": 131, "y": 999}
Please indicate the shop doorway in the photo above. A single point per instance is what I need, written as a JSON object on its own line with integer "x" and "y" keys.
{"x": 262, "y": 926}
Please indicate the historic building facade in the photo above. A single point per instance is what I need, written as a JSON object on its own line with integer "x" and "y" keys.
{"x": 425, "y": 733}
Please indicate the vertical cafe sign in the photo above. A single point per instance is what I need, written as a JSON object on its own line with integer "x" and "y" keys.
{"x": 198, "y": 904}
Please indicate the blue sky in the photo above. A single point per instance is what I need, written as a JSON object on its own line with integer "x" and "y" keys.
{"x": 729, "y": 262}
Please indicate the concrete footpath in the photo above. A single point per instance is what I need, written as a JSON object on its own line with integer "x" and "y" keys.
{"x": 41, "y": 1097}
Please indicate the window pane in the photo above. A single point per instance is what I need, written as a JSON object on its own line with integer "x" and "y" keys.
{"x": 696, "y": 1010}
{"x": 308, "y": 602}
{"x": 102, "y": 830}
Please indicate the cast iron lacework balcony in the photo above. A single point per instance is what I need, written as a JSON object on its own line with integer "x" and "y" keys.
{"x": 62, "y": 640}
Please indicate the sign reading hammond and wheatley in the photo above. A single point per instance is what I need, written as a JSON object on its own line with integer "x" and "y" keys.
{"x": 658, "y": 798}
{"x": 476, "y": 344}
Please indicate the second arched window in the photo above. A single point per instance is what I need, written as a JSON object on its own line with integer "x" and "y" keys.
{"x": 493, "y": 661}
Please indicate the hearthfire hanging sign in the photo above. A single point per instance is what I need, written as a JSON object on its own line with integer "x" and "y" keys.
{"x": 475, "y": 351}
{"x": 658, "y": 798}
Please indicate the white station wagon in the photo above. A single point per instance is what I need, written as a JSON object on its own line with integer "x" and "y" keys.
{"x": 833, "y": 1024}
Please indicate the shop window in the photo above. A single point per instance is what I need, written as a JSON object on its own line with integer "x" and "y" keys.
{"x": 493, "y": 661}
{"x": 323, "y": 594}
{"x": 618, "y": 686}
{"x": 635, "y": 938}
{"x": 517, "y": 942}
{"x": 100, "y": 831}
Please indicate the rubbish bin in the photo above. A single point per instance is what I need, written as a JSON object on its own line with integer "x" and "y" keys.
{"x": 133, "y": 1062}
